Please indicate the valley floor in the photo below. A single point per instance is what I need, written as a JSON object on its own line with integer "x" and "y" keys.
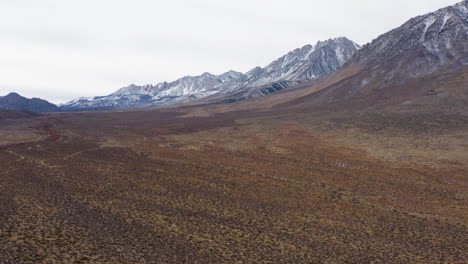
{"x": 241, "y": 187}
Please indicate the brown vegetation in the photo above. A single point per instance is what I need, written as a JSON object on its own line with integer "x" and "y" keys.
{"x": 242, "y": 187}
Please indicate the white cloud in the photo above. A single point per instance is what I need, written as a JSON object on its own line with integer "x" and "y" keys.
{"x": 61, "y": 49}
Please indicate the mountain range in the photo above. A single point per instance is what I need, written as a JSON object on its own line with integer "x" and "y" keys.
{"x": 306, "y": 63}
{"x": 423, "y": 61}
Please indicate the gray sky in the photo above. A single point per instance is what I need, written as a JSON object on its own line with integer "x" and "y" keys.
{"x": 62, "y": 49}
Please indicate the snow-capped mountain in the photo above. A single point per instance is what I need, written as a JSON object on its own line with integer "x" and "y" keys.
{"x": 307, "y": 63}
{"x": 424, "y": 61}
{"x": 441, "y": 35}
{"x": 182, "y": 90}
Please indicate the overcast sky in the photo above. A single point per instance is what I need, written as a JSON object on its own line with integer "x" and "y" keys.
{"x": 62, "y": 49}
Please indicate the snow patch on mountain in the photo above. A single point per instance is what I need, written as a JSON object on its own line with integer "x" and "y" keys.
{"x": 427, "y": 24}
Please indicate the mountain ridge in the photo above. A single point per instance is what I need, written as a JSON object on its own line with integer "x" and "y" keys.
{"x": 301, "y": 64}
{"x": 14, "y": 101}
{"x": 432, "y": 71}
{"x": 404, "y": 64}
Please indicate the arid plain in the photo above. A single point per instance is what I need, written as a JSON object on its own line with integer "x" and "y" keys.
{"x": 277, "y": 186}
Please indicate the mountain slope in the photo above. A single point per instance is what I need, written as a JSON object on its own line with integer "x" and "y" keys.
{"x": 404, "y": 64}
{"x": 14, "y": 101}
{"x": 441, "y": 35}
{"x": 306, "y": 63}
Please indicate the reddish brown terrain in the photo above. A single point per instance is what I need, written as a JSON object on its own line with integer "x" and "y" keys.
{"x": 288, "y": 185}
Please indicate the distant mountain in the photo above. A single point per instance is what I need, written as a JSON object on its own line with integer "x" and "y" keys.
{"x": 424, "y": 61}
{"x": 307, "y": 63}
{"x": 14, "y": 101}
{"x": 182, "y": 90}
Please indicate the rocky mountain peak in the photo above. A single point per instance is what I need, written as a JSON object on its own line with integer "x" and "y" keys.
{"x": 301, "y": 64}
{"x": 433, "y": 32}
{"x": 12, "y": 96}
{"x": 231, "y": 75}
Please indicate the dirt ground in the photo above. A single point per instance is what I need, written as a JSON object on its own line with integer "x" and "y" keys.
{"x": 285, "y": 186}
